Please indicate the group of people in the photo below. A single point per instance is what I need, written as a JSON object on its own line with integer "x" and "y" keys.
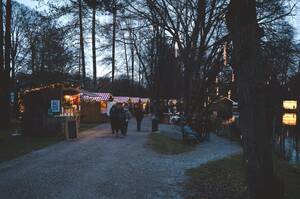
{"x": 120, "y": 114}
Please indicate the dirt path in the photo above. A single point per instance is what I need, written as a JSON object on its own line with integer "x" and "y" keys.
{"x": 101, "y": 166}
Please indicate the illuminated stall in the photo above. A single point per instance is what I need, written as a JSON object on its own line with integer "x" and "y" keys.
{"x": 132, "y": 101}
{"x": 289, "y": 117}
{"x": 46, "y": 108}
{"x": 94, "y": 107}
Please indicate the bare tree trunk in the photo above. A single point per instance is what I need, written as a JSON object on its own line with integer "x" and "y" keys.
{"x": 5, "y": 72}
{"x": 132, "y": 55}
{"x": 32, "y": 49}
{"x": 114, "y": 44}
{"x": 132, "y": 64}
{"x": 187, "y": 90}
{"x": 8, "y": 38}
{"x": 14, "y": 50}
{"x": 82, "y": 43}
{"x": 2, "y": 74}
{"x": 140, "y": 75}
{"x": 94, "y": 48}
{"x": 251, "y": 86}
{"x": 1, "y": 37}
{"x": 126, "y": 57}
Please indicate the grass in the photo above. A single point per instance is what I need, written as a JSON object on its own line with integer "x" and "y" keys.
{"x": 290, "y": 176}
{"x": 225, "y": 179}
{"x": 165, "y": 145}
{"x": 14, "y": 146}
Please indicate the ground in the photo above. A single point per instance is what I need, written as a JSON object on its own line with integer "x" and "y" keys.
{"x": 225, "y": 179}
{"x": 100, "y": 166}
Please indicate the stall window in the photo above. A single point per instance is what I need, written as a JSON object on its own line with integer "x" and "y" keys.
{"x": 103, "y": 106}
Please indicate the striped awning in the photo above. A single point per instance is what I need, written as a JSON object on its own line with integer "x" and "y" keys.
{"x": 124, "y": 99}
{"x": 95, "y": 97}
{"x": 121, "y": 99}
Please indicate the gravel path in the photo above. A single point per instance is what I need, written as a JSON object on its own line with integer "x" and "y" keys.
{"x": 101, "y": 166}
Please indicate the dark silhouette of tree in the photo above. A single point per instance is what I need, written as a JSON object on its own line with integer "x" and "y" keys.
{"x": 253, "y": 97}
{"x": 81, "y": 42}
{"x": 3, "y": 94}
{"x": 94, "y": 5}
{"x": 77, "y": 11}
{"x": 5, "y": 71}
{"x": 1, "y": 38}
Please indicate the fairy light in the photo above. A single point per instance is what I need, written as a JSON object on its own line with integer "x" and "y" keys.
{"x": 55, "y": 85}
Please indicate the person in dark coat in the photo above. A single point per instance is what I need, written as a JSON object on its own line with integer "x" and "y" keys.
{"x": 139, "y": 115}
{"x": 113, "y": 116}
{"x": 121, "y": 122}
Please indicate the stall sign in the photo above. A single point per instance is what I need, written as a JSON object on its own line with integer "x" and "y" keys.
{"x": 289, "y": 119}
{"x": 55, "y": 106}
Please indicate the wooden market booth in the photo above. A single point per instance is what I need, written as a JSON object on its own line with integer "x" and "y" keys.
{"x": 51, "y": 109}
{"x": 94, "y": 107}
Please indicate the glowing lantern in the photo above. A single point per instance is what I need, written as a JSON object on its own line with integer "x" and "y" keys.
{"x": 290, "y": 105}
{"x": 289, "y": 119}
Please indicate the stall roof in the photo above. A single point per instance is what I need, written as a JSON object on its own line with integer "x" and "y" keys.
{"x": 121, "y": 99}
{"x": 124, "y": 99}
{"x": 97, "y": 97}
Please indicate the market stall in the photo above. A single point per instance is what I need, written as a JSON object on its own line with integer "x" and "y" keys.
{"x": 49, "y": 109}
{"x": 94, "y": 106}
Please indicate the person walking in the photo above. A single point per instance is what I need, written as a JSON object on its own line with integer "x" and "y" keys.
{"x": 113, "y": 119}
{"x": 122, "y": 120}
{"x": 119, "y": 119}
{"x": 127, "y": 118}
{"x": 139, "y": 115}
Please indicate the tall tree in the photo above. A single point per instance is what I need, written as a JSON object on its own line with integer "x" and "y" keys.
{"x": 197, "y": 29}
{"x": 5, "y": 72}
{"x": 94, "y": 47}
{"x": 114, "y": 24}
{"x": 81, "y": 43}
{"x": 132, "y": 59}
{"x": 94, "y": 5}
{"x": 253, "y": 99}
{"x": 1, "y": 35}
{"x": 125, "y": 54}
{"x": 2, "y": 76}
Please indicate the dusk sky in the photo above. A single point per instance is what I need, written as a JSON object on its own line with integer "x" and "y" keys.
{"x": 295, "y": 20}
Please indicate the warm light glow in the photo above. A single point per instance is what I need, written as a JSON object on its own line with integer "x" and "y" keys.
{"x": 229, "y": 94}
{"x": 229, "y": 121}
{"x": 290, "y": 104}
{"x": 289, "y": 119}
{"x": 67, "y": 97}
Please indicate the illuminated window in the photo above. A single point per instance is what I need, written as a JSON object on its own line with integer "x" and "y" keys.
{"x": 289, "y": 119}
{"x": 290, "y": 104}
{"x": 103, "y": 106}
